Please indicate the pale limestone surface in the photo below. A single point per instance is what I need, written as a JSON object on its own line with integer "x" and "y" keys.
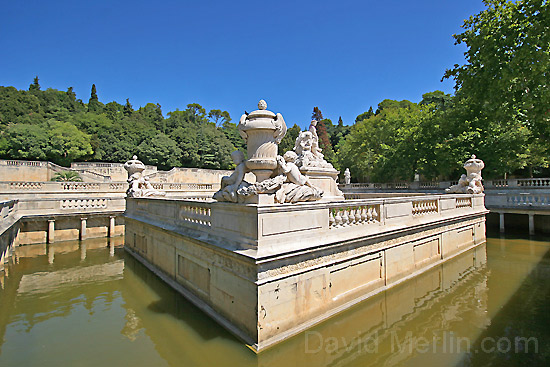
{"x": 471, "y": 182}
{"x": 297, "y": 264}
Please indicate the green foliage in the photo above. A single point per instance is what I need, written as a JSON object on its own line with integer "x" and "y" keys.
{"x": 35, "y": 86}
{"x": 365, "y": 115}
{"x": 503, "y": 87}
{"x": 160, "y": 151}
{"x": 67, "y": 176}
{"x": 232, "y": 134}
{"x": 93, "y": 104}
{"x": 219, "y": 117}
{"x": 289, "y": 140}
{"x": 54, "y": 125}
{"x": 385, "y": 146}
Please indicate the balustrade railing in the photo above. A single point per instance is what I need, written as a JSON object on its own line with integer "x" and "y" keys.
{"x": 489, "y": 184}
{"x": 464, "y": 202}
{"x": 343, "y": 216}
{"x": 533, "y": 182}
{"x": 115, "y": 187}
{"x": 423, "y": 207}
{"x": 83, "y": 204}
{"x": 199, "y": 214}
{"x": 25, "y": 185}
{"x": 80, "y": 186}
{"x": 528, "y": 200}
{"x": 7, "y": 208}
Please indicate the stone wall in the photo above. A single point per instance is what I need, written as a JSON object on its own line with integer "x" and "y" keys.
{"x": 40, "y": 171}
{"x": 269, "y": 272}
{"x": 9, "y": 228}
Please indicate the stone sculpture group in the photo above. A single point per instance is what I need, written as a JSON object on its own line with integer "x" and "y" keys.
{"x": 279, "y": 175}
{"x": 471, "y": 182}
{"x": 139, "y": 183}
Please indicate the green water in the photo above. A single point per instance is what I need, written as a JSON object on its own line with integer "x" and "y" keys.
{"x": 90, "y": 304}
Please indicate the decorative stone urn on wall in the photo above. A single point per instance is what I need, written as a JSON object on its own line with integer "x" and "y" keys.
{"x": 262, "y": 130}
{"x": 471, "y": 182}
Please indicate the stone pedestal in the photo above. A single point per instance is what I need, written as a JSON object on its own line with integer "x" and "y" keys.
{"x": 325, "y": 179}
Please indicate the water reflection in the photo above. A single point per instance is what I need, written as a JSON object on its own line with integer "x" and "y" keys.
{"x": 87, "y": 303}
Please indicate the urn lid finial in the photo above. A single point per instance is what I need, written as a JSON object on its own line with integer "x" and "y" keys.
{"x": 262, "y": 105}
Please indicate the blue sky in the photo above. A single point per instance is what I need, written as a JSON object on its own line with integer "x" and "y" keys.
{"x": 342, "y": 56}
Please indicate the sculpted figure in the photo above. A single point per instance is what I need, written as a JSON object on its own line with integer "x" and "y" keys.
{"x": 296, "y": 186}
{"x": 289, "y": 186}
{"x": 347, "y": 176}
{"x": 315, "y": 144}
{"x": 139, "y": 185}
{"x": 231, "y": 184}
{"x": 471, "y": 182}
{"x": 307, "y": 157}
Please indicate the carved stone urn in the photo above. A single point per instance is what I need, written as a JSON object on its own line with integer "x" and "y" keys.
{"x": 262, "y": 130}
{"x": 134, "y": 166}
{"x": 474, "y": 165}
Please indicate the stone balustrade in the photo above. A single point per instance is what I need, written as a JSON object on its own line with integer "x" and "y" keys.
{"x": 10, "y": 186}
{"x": 423, "y": 207}
{"x": 8, "y": 208}
{"x": 520, "y": 200}
{"x": 272, "y": 224}
{"x": 488, "y": 184}
{"x": 18, "y": 163}
{"x": 353, "y": 215}
{"x": 49, "y": 189}
{"x": 39, "y": 207}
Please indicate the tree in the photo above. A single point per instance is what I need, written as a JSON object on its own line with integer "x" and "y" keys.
{"x": 365, "y": 115}
{"x": 289, "y": 139}
{"x": 386, "y": 146}
{"x": 317, "y": 114}
{"x": 505, "y": 80}
{"x": 93, "y": 103}
{"x": 232, "y": 133}
{"x": 26, "y": 141}
{"x": 160, "y": 151}
{"x": 128, "y": 110}
{"x": 66, "y": 143}
{"x": 324, "y": 140}
{"x": 35, "y": 86}
{"x": 440, "y": 100}
{"x": 218, "y": 117}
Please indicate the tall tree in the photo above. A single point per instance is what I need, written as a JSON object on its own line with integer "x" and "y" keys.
{"x": 505, "y": 80}
{"x": 93, "y": 103}
{"x": 128, "y": 109}
{"x": 365, "y": 115}
{"x": 219, "y": 117}
{"x": 35, "y": 86}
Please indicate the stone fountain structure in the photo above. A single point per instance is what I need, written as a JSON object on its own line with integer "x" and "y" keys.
{"x": 268, "y": 259}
